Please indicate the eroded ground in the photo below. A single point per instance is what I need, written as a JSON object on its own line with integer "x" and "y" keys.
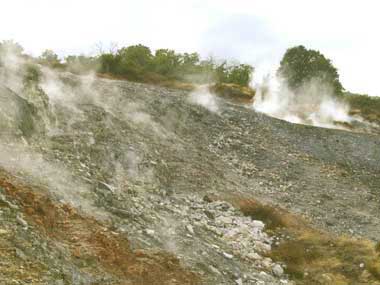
{"x": 111, "y": 187}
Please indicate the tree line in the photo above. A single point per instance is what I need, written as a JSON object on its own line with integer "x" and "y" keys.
{"x": 139, "y": 63}
{"x": 298, "y": 67}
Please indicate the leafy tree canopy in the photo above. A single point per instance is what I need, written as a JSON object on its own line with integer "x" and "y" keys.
{"x": 240, "y": 74}
{"x": 48, "y": 57}
{"x": 300, "y": 66}
{"x": 10, "y": 46}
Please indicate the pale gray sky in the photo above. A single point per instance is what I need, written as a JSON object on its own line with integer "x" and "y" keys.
{"x": 257, "y": 32}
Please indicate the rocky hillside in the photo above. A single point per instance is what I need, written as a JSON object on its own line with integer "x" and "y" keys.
{"x": 112, "y": 182}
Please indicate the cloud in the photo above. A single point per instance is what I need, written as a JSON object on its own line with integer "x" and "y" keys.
{"x": 239, "y": 36}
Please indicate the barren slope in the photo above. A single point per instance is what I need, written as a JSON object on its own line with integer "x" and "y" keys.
{"x": 115, "y": 181}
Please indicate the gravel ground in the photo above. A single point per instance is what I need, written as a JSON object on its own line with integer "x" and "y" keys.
{"x": 141, "y": 158}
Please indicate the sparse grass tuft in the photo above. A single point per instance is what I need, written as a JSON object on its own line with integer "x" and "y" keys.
{"x": 272, "y": 217}
{"x": 313, "y": 256}
{"x": 377, "y": 247}
{"x": 154, "y": 79}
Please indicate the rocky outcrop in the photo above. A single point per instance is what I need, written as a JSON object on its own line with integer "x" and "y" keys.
{"x": 17, "y": 116}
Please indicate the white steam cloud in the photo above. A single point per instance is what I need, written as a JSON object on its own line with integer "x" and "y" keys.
{"x": 66, "y": 96}
{"x": 202, "y": 96}
{"x": 314, "y": 105}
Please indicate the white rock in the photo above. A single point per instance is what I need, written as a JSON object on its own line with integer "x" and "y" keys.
{"x": 277, "y": 270}
{"x": 227, "y": 255}
{"x": 254, "y": 256}
{"x": 263, "y": 247}
{"x": 239, "y": 281}
{"x": 149, "y": 232}
{"x": 3, "y": 232}
{"x": 21, "y": 221}
{"x": 213, "y": 269}
{"x": 257, "y": 224}
{"x": 190, "y": 229}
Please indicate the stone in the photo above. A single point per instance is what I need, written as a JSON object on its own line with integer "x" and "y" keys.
{"x": 190, "y": 229}
{"x": 21, "y": 221}
{"x": 9, "y": 204}
{"x": 150, "y": 232}
{"x": 213, "y": 269}
{"x": 266, "y": 262}
{"x": 257, "y": 224}
{"x": 227, "y": 255}
{"x": 277, "y": 270}
{"x": 3, "y": 232}
{"x": 254, "y": 256}
{"x": 263, "y": 247}
{"x": 239, "y": 281}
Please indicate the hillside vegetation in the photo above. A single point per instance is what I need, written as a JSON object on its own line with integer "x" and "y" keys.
{"x": 368, "y": 107}
{"x": 230, "y": 79}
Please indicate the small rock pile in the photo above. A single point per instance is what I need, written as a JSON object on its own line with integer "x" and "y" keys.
{"x": 245, "y": 236}
{"x": 232, "y": 246}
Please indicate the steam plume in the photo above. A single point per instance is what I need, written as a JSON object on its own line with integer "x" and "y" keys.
{"x": 313, "y": 105}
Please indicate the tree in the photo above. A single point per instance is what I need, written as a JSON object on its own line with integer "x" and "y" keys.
{"x": 109, "y": 63}
{"x": 300, "y": 66}
{"x": 166, "y": 62}
{"x": 48, "y": 57}
{"x": 240, "y": 74}
{"x": 11, "y": 47}
{"x": 9, "y": 51}
{"x": 134, "y": 60}
{"x": 190, "y": 63}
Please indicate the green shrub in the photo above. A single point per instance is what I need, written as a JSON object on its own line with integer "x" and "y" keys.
{"x": 240, "y": 74}
{"x": 32, "y": 74}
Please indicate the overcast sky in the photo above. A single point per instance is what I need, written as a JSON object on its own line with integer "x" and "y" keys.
{"x": 256, "y": 32}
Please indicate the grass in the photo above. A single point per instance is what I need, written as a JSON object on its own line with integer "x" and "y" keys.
{"x": 313, "y": 256}
{"x": 154, "y": 79}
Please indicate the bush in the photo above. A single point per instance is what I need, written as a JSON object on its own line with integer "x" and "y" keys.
{"x": 108, "y": 63}
{"x": 32, "y": 74}
{"x": 167, "y": 63}
{"x": 240, "y": 74}
{"x": 134, "y": 61}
